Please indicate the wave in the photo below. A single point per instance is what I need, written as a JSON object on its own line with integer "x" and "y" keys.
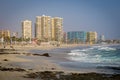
{"x": 93, "y": 48}
{"x": 76, "y": 50}
{"x": 94, "y": 54}
{"x": 107, "y": 48}
{"x": 77, "y": 54}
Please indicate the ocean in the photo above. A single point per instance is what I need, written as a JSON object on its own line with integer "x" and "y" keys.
{"x": 96, "y": 58}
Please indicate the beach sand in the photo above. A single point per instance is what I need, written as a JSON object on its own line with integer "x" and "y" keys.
{"x": 30, "y": 63}
{"x": 23, "y": 60}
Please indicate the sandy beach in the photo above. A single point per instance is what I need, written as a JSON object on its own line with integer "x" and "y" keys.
{"x": 23, "y": 60}
{"x": 19, "y": 64}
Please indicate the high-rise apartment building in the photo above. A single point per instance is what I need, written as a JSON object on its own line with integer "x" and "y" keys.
{"x": 57, "y": 29}
{"x": 43, "y": 28}
{"x": 52, "y": 29}
{"x": 92, "y": 37}
{"x": 38, "y": 30}
{"x": 48, "y": 29}
{"x": 27, "y": 29}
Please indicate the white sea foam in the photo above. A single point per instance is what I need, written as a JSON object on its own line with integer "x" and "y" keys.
{"x": 103, "y": 47}
{"x": 96, "y": 46}
{"x": 76, "y": 50}
{"x": 82, "y": 50}
{"x": 80, "y": 54}
{"x": 107, "y": 48}
{"x": 87, "y": 49}
{"x": 91, "y": 54}
{"x": 84, "y": 57}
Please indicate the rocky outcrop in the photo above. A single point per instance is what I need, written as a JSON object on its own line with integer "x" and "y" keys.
{"x": 44, "y": 54}
{"x": 11, "y": 69}
{"x": 49, "y": 75}
{"x": 2, "y": 50}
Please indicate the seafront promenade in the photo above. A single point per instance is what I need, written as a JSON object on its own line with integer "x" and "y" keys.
{"x": 41, "y": 47}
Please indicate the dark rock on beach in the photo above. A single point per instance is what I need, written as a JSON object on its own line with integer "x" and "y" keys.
{"x": 5, "y": 60}
{"x": 2, "y": 50}
{"x": 11, "y": 69}
{"x": 45, "y": 54}
{"x": 27, "y": 54}
{"x": 37, "y": 54}
{"x": 46, "y": 75}
{"x": 49, "y": 75}
{"x": 1, "y": 53}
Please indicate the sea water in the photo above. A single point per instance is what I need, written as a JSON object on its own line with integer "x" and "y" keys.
{"x": 96, "y": 58}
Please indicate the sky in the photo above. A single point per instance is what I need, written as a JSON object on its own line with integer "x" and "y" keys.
{"x": 102, "y": 16}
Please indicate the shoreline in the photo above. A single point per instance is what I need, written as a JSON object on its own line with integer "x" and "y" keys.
{"x": 14, "y": 61}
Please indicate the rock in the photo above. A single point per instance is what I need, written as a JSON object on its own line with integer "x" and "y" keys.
{"x": 11, "y": 69}
{"x": 19, "y": 69}
{"x": 45, "y": 54}
{"x": 53, "y": 68}
{"x": 49, "y": 75}
{"x": 28, "y": 54}
{"x": 5, "y": 60}
{"x": 2, "y": 50}
{"x": 37, "y": 54}
{"x": 1, "y": 53}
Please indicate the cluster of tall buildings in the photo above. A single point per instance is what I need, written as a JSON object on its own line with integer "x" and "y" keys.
{"x": 82, "y": 37}
{"x": 49, "y": 28}
{"x": 46, "y": 28}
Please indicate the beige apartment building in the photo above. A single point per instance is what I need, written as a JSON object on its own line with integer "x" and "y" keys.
{"x": 27, "y": 29}
{"x": 4, "y": 33}
{"x": 57, "y": 29}
{"x": 48, "y": 29}
{"x": 92, "y": 37}
{"x": 43, "y": 28}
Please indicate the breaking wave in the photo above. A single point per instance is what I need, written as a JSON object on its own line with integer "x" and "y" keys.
{"x": 95, "y": 54}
